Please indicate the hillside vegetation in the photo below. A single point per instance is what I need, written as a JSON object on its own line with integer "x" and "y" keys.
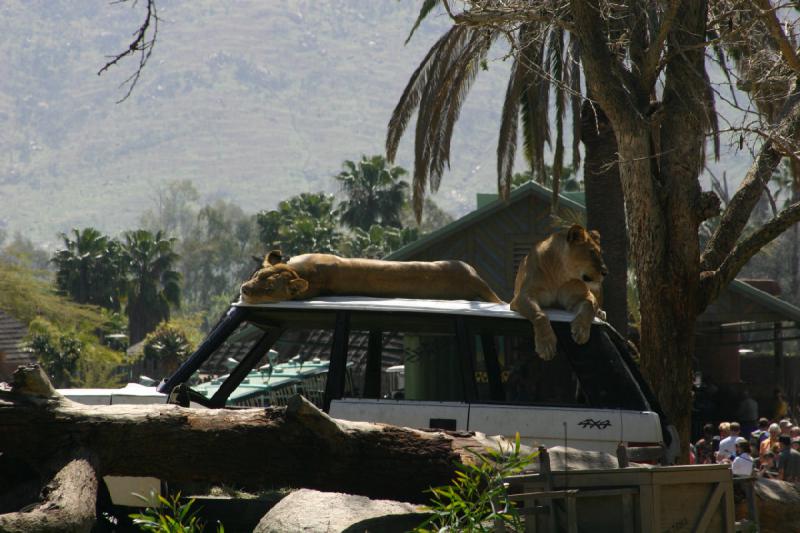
{"x": 29, "y": 297}
{"x": 253, "y": 101}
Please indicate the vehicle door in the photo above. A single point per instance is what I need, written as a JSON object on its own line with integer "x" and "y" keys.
{"x": 405, "y": 370}
{"x": 584, "y": 397}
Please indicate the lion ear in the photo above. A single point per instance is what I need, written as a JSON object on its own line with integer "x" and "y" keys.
{"x": 273, "y": 258}
{"x": 595, "y": 235}
{"x": 297, "y": 286}
{"x": 576, "y": 233}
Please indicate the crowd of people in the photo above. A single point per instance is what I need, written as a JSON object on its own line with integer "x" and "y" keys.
{"x": 772, "y": 449}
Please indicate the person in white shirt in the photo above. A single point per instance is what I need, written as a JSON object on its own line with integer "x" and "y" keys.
{"x": 743, "y": 464}
{"x": 727, "y": 446}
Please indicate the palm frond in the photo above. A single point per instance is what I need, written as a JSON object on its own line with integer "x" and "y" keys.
{"x": 558, "y": 73}
{"x": 507, "y": 141}
{"x": 534, "y": 99}
{"x": 574, "y": 69}
{"x": 427, "y": 7}
{"x": 448, "y": 82}
{"x": 409, "y": 100}
{"x": 467, "y": 71}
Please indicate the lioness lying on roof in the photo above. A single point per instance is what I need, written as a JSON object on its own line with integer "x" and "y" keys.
{"x": 564, "y": 270}
{"x": 309, "y": 275}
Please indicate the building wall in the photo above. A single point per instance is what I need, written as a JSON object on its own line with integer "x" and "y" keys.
{"x": 496, "y": 244}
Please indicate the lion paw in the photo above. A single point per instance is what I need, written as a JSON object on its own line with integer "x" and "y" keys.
{"x": 580, "y": 331}
{"x": 546, "y": 343}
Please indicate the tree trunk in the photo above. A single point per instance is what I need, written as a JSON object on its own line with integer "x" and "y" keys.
{"x": 605, "y": 210}
{"x": 295, "y": 446}
{"x": 69, "y": 504}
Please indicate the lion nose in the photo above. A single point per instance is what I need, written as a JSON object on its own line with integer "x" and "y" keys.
{"x": 604, "y": 271}
{"x": 245, "y": 289}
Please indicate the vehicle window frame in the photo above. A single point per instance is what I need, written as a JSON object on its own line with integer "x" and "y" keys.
{"x": 335, "y": 387}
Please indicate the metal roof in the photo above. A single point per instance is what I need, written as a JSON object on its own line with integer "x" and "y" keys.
{"x": 530, "y": 188}
{"x": 12, "y": 333}
{"x": 772, "y": 303}
{"x": 407, "y": 305}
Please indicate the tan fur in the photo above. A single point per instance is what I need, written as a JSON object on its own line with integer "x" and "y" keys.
{"x": 310, "y": 275}
{"x": 564, "y": 270}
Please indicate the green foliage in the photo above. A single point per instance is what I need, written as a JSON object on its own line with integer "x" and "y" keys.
{"x": 21, "y": 250}
{"x": 174, "y": 210}
{"x": 569, "y": 180}
{"x": 58, "y": 353}
{"x": 90, "y": 268}
{"x": 169, "y": 515}
{"x": 113, "y": 332}
{"x": 25, "y": 296}
{"x": 216, "y": 254}
{"x": 478, "y": 496}
{"x": 31, "y": 300}
{"x": 433, "y": 217}
{"x": 72, "y": 357}
{"x": 153, "y": 284}
{"x": 168, "y": 342}
{"x": 303, "y": 223}
{"x": 378, "y": 242}
{"x": 374, "y": 193}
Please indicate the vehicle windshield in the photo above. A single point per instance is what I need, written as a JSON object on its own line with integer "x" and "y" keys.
{"x": 277, "y": 353}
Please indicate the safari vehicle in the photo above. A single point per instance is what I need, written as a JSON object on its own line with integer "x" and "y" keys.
{"x": 454, "y": 365}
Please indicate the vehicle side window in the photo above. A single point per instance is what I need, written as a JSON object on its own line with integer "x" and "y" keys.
{"x": 407, "y": 358}
{"x": 604, "y": 377}
{"x": 519, "y": 376}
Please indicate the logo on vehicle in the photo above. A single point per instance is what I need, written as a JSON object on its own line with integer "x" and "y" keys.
{"x": 594, "y": 424}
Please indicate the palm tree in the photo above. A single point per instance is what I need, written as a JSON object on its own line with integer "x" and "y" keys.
{"x": 546, "y": 59}
{"x": 375, "y": 193}
{"x": 90, "y": 268}
{"x": 153, "y": 285}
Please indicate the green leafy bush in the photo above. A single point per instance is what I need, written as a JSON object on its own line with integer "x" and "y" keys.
{"x": 478, "y": 495}
{"x": 170, "y": 515}
{"x": 167, "y": 343}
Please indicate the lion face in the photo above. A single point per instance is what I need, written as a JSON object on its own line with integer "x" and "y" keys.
{"x": 585, "y": 255}
{"x": 276, "y": 282}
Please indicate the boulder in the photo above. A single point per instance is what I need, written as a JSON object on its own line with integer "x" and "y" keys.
{"x": 312, "y": 511}
{"x": 778, "y": 505}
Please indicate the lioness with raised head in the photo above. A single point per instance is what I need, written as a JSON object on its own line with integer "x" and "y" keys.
{"x": 564, "y": 270}
{"x": 309, "y": 275}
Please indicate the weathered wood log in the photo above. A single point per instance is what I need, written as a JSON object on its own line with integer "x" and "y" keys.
{"x": 68, "y": 504}
{"x": 296, "y": 446}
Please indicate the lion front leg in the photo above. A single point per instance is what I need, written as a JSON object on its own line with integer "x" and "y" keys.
{"x": 576, "y": 297}
{"x": 543, "y": 335}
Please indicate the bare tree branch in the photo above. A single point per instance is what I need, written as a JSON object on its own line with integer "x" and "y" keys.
{"x": 609, "y": 80}
{"x": 713, "y": 282}
{"x": 653, "y": 53}
{"x": 734, "y": 218}
{"x": 144, "y": 39}
{"x": 512, "y": 15}
{"x": 781, "y": 40}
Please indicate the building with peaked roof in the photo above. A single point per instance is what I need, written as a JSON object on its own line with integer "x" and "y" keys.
{"x": 498, "y": 234}
{"x": 12, "y": 351}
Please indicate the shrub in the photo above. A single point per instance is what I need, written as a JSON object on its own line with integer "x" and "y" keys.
{"x": 478, "y": 495}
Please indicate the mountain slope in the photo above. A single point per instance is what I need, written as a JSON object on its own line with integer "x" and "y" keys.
{"x": 253, "y": 101}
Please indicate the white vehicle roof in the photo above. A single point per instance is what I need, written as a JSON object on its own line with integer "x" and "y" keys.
{"x": 408, "y": 305}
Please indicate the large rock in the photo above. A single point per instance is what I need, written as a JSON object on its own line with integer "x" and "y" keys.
{"x": 778, "y": 506}
{"x": 312, "y": 511}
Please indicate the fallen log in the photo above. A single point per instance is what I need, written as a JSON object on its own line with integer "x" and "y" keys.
{"x": 297, "y": 446}
{"x": 68, "y": 504}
